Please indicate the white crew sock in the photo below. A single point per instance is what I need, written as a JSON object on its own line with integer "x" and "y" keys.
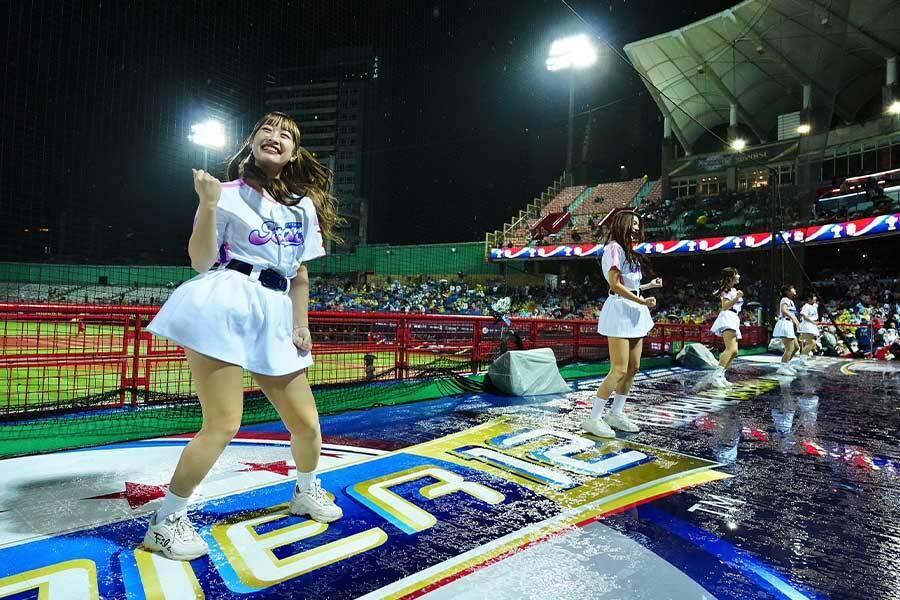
{"x": 720, "y": 370}
{"x": 305, "y": 480}
{"x": 599, "y": 407}
{"x": 618, "y": 405}
{"x": 171, "y": 504}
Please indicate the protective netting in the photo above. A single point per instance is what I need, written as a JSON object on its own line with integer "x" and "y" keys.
{"x": 73, "y": 375}
{"x": 440, "y": 121}
{"x": 83, "y": 421}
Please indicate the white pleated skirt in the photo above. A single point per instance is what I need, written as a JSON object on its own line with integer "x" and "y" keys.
{"x": 727, "y": 319}
{"x": 807, "y": 327}
{"x": 784, "y": 328}
{"x": 623, "y": 318}
{"x": 226, "y": 316}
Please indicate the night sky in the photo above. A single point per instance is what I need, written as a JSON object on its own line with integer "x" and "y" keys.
{"x": 100, "y": 98}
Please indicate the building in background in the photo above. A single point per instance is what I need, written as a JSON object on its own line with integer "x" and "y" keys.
{"x": 335, "y": 103}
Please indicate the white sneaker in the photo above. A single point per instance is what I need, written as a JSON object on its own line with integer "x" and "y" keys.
{"x": 175, "y": 538}
{"x": 598, "y": 427}
{"x": 798, "y": 364}
{"x": 718, "y": 381}
{"x": 784, "y": 369}
{"x": 315, "y": 503}
{"x": 621, "y": 422}
{"x": 720, "y": 377}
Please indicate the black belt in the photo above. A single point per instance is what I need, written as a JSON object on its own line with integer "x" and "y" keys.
{"x": 635, "y": 292}
{"x": 269, "y": 278}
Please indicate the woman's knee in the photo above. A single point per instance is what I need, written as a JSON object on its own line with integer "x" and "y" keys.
{"x": 303, "y": 426}
{"x": 617, "y": 373}
{"x": 222, "y": 430}
{"x": 632, "y": 369}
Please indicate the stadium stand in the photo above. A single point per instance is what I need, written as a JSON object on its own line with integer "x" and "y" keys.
{"x": 586, "y": 204}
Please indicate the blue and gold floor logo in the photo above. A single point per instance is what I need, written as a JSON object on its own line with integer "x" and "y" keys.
{"x": 412, "y": 519}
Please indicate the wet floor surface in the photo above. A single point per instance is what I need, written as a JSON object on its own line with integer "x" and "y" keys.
{"x": 804, "y": 500}
{"x": 815, "y": 460}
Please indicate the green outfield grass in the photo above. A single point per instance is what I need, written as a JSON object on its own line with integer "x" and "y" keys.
{"x": 46, "y": 385}
{"x": 30, "y": 337}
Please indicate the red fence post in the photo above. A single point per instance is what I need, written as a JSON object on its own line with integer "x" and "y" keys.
{"x": 476, "y": 346}
{"x": 576, "y": 342}
{"x": 402, "y": 349}
{"x": 135, "y": 363}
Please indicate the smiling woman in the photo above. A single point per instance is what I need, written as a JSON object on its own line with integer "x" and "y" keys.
{"x": 263, "y": 226}
{"x": 273, "y": 160}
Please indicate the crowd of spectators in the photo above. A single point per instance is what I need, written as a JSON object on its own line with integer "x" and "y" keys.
{"x": 863, "y": 305}
{"x": 866, "y": 308}
{"x": 565, "y": 301}
{"x": 723, "y": 213}
{"x": 734, "y": 213}
{"x": 682, "y": 300}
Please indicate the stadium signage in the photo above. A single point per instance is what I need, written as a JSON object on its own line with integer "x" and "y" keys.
{"x": 415, "y": 519}
{"x": 848, "y": 230}
{"x": 723, "y": 160}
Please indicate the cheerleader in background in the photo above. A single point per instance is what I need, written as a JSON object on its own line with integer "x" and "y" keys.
{"x": 727, "y": 325}
{"x": 625, "y": 320}
{"x": 785, "y": 329}
{"x": 809, "y": 330}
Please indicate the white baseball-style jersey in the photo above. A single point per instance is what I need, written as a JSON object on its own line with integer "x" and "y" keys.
{"x": 792, "y": 309}
{"x": 729, "y": 295}
{"x": 621, "y": 317}
{"x": 614, "y": 256}
{"x": 810, "y": 311}
{"x": 230, "y": 316}
{"x": 728, "y": 318}
{"x": 265, "y": 233}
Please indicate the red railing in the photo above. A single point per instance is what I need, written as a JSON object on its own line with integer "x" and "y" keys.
{"x": 66, "y": 357}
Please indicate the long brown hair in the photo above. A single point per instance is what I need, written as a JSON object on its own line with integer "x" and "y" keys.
{"x": 620, "y": 232}
{"x": 726, "y": 280}
{"x": 302, "y": 176}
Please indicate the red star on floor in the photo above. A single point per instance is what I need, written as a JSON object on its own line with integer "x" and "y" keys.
{"x": 137, "y": 494}
{"x": 281, "y": 467}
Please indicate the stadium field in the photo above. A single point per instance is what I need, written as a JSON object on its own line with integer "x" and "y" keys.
{"x": 90, "y": 362}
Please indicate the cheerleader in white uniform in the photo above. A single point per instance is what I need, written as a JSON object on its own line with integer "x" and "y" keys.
{"x": 785, "y": 329}
{"x": 625, "y": 320}
{"x": 809, "y": 330}
{"x": 249, "y": 313}
{"x": 728, "y": 324}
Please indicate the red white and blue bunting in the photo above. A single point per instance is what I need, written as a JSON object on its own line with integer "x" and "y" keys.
{"x": 871, "y": 226}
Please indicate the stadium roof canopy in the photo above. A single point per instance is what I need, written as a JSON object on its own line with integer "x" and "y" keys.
{"x": 758, "y": 54}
